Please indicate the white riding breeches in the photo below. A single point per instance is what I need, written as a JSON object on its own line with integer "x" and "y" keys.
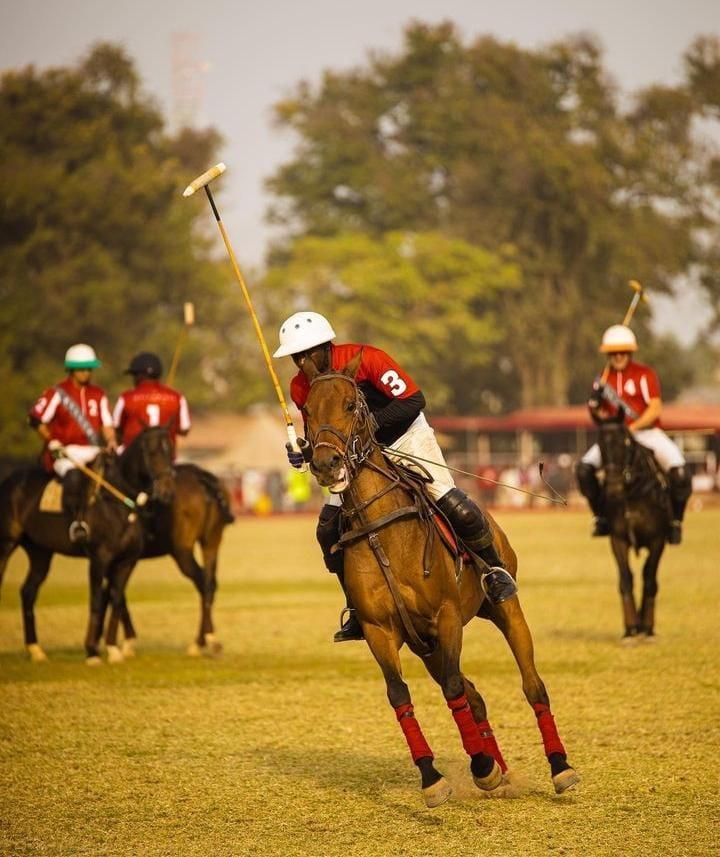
{"x": 418, "y": 440}
{"x": 666, "y": 451}
{"x": 83, "y": 454}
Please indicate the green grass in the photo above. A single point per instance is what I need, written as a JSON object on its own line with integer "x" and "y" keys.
{"x": 286, "y": 745}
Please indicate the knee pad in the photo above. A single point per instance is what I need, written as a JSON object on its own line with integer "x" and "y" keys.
{"x": 464, "y": 514}
{"x": 680, "y": 482}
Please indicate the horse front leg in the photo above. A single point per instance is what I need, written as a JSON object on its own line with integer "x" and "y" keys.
{"x": 650, "y": 589}
{"x": 129, "y": 632}
{"x": 621, "y": 549}
{"x": 118, "y": 578}
{"x": 37, "y": 572}
{"x": 479, "y": 711}
{"x": 96, "y": 576}
{"x": 385, "y": 648}
{"x": 444, "y": 666}
{"x": 509, "y": 618}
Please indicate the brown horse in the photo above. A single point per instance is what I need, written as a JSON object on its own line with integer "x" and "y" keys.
{"x": 193, "y": 515}
{"x": 113, "y": 547}
{"x": 403, "y": 584}
{"x": 638, "y": 509}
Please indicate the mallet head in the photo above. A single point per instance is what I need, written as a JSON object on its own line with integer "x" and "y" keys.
{"x": 639, "y": 288}
{"x": 189, "y": 313}
{"x": 204, "y": 179}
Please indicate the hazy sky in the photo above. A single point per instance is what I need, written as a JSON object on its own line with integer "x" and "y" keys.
{"x": 254, "y": 52}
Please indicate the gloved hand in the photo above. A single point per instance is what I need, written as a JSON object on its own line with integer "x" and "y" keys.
{"x": 55, "y": 448}
{"x": 596, "y": 396}
{"x": 298, "y": 457}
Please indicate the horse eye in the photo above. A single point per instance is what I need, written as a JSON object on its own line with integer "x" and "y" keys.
{"x": 350, "y": 407}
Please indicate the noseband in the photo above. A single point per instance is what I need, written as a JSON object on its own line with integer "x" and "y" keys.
{"x": 352, "y": 449}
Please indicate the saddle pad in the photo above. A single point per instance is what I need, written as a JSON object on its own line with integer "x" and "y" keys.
{"x": 51, "y": 500}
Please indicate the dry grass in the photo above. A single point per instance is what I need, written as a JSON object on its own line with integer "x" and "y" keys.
{"x": 287, "y": 745}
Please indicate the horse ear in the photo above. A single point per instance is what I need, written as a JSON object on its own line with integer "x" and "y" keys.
{"x": 352, "y": 366}
{"x": 309, "y": 369}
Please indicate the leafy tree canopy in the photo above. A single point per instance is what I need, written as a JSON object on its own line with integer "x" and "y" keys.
{"x": 97, "y": 244}
{"x": 499, "y": 147}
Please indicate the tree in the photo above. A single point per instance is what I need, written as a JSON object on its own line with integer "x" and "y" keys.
{"x": 429, "y": 300}
{"x": 503, "y": 147}
{"x": 97, "y": 244}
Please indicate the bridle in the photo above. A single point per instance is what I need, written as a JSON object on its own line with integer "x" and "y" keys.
{"x": 140, "y": 443}
{"x": 353, "y": 449}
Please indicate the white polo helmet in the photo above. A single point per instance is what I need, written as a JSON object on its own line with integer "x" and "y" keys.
{"x": 81, "y": 356}
{"x": 303, "y": 330}
{"x": 619, "y": 337}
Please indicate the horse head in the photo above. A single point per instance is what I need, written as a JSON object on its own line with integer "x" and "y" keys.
{"x": 337, "y": 425}
{"x": 616, "y": 448}
{"x": 147, "y": 463}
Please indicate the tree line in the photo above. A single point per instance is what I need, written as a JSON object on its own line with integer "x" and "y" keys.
{"x": 474, "y": 207}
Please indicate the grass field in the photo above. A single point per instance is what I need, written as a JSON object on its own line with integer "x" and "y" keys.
{"x": 286, "y": 745}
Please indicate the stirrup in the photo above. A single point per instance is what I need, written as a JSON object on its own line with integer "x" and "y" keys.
{"x": 78, "y": 532}
{"x": 498, "y": 585}
{"x": 349, "y": 628}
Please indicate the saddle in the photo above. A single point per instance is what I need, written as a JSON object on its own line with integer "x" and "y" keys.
{"x": 425, "y": 508}
{"x": 51, "y": 499}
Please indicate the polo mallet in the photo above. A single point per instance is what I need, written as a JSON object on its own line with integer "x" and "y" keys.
{"x": 639, "y": 295}
{"x": 204, "y": 181}
{"x": 139, "y": 501}
{"x": 189, "y": 321}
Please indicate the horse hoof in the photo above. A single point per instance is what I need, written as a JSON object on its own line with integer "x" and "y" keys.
{"x": 437, "y": 793}
{"x": 491, "y": 781}
{"x": 214, "y": 646}
{"x": 115, "y": 656}
{"x": 565, "y": 780}
{"x": 630, "y": 640}
{"x": 649, "y": 638}
{"x": 193, "y": 650}
{"x": 128, "y": 648}
{"x": 94, "y": 661}
{"x": 37, "y": 655}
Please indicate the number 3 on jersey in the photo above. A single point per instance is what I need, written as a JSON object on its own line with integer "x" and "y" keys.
{"x": 396, "y": 384}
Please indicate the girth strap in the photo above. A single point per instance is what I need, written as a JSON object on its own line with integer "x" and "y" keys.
{"x": 418, "y": 645}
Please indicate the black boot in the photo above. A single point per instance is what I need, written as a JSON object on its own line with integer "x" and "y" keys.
{"x": 591, "y": 489}
{"x": 73, "y": 496}
{"x": 328, "y": 533}
{"x": 680, "y": 488}
{"x": 472, "y": 528}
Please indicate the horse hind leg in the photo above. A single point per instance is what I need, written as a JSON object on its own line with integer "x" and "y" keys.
{"x": 510, "y": 619}
{"x": 435, "y": 788}
{"x": 207, "y": 628}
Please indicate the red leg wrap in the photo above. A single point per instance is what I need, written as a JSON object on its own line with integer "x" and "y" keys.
{"x": 419, "y": 747}
{"x": 472, "y": 739}
{"x": 490, "y": 745}
{"x": 548, "y": 730}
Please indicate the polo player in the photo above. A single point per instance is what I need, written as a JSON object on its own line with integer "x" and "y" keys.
{"x": 636, "y": 388}
{"x": 74, "y": 415}
{"x": 396, "y": 404}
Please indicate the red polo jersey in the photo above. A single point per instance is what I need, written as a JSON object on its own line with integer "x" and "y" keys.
{"x": 635, "y": 385}
{"x": 151, "y": 403}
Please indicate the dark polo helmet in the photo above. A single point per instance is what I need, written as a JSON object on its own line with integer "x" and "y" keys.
{"x": 145, "y": 363}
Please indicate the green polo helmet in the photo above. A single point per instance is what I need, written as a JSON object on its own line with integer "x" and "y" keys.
{"x": 81, "y": 356}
